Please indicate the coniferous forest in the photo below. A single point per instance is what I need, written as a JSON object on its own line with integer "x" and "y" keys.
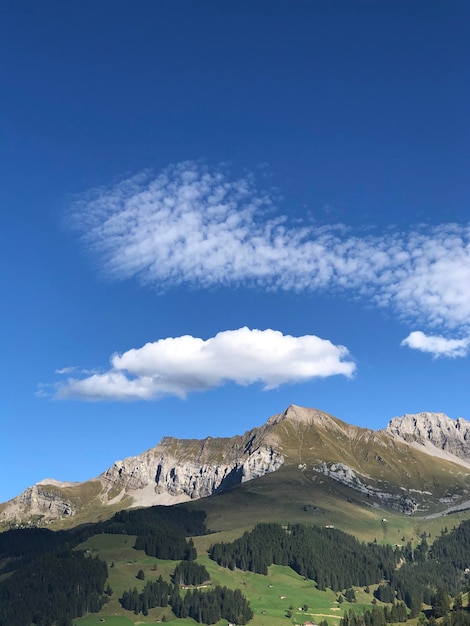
{"x": 426, "y": 574}
{"x": 53, "y": 589}
{"x": 209, "y": 606}
{"x": 155, "y": 593}
{"x": 330, "y": 557}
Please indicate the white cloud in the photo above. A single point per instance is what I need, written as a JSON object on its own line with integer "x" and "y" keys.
{"x": 437, "y": 345}
{"x": 192, "y": 225}
{"x": 178, "y": 365}
{"x": 66, "y": 370}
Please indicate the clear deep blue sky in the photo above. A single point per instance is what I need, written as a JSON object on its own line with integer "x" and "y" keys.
{"x": 279, "y": 186}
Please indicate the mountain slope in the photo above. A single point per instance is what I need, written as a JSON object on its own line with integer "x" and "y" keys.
{"x": 418, "y": 464}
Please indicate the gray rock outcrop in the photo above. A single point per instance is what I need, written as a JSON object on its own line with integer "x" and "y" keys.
{"x": 442, "y": 432}
{"x": 195, "y": 477}
{"x": 345, "y": 475}
{"x": 43, "y": 501}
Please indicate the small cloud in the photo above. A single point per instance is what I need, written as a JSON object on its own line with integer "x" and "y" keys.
{"x": 179, "y": 365}
{"x": 437, "y": 345}
{"x": 41, "y": 393}
{"x": 66, "y": 370}
{"x": 44, "y": 390}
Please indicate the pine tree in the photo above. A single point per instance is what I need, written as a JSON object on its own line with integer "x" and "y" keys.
{"x": 441, "y": 604}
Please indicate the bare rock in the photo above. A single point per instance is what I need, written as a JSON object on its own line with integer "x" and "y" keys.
{"x": 437, "y": 429}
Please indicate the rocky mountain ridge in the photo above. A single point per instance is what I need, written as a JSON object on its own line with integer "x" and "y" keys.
{"x": 202, "y": 473}
{"x": 378, "y": 466}
{"x": 434, "y": 429}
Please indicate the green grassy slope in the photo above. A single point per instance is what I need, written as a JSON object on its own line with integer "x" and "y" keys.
{"x": 270, "y": 596}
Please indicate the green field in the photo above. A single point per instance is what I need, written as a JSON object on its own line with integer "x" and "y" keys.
{"x": 108, "y": 620}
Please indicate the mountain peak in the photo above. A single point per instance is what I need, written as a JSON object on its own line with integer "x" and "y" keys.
{"x": 300, "y": 414}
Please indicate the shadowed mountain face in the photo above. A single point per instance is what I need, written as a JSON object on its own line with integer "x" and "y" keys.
{"x": 419, "y": 464}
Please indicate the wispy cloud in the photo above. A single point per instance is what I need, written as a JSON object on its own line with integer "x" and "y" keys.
{"x": 437, "y": 345}
{"x": 44, "y": 390}
{"x": 178, "y": 365}
{"x": 66, "y": 370}
{"x": 192, "y": 225}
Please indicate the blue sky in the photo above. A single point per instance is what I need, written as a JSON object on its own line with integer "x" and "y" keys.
{"x": 212, "y": 210}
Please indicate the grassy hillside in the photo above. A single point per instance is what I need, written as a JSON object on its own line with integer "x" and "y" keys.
{"x": 229, "y": 515}
{"x": 270, "y": 596}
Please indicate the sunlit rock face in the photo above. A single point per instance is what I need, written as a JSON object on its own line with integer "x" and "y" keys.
{"x": 437, "y": 429}
{"x": 176, "y": 476}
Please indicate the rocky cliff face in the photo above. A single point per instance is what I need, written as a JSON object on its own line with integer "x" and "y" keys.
{"x": 45, "y": 500}
{"x": 436, "y": 429}
{"x": 210, "y": 468}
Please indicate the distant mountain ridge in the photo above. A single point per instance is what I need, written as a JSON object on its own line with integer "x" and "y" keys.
{"x": 418, "y": 463}
{"x": 435, "y": 430}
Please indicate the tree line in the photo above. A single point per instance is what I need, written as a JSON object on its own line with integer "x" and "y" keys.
{"x": 376, "y": 616}
{"x": 166, "y": 543}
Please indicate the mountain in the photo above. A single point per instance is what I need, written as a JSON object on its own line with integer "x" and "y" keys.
{"x": 419, "y": 464}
